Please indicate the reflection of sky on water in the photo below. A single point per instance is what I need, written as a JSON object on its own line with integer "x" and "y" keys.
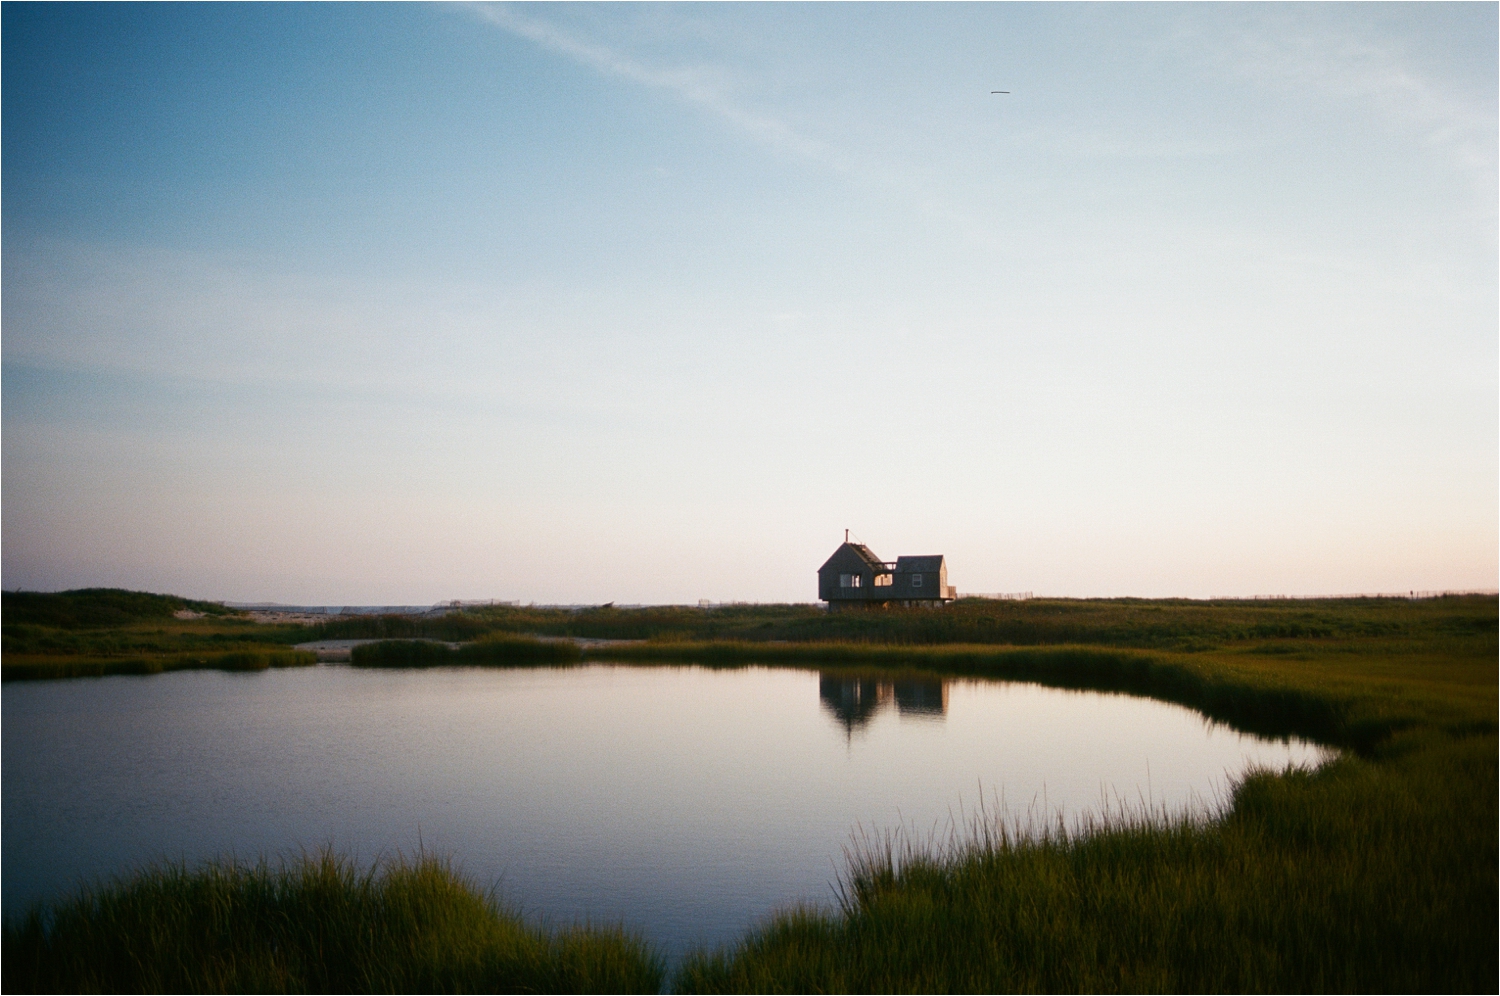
{"x": 687, "y": 801}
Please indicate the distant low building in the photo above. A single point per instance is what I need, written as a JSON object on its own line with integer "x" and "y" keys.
{"x": 854, "y": 577}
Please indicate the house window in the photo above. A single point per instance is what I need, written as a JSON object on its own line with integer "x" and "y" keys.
{"x": 884, "y": 580}
{"x": 916, "y": 580}
{"x": 850, "y": 581}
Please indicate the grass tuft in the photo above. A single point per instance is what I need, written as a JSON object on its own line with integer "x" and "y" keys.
{"x": 27, "y": 668}
{"x": 319, "y": 924}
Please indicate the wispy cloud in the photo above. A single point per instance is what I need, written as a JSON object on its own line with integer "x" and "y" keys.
{"x": 1097, "y": 143}
{"x": 1323, "y": 62}
{"x": 702, "y": 87}
{"x": 694, "y": 86}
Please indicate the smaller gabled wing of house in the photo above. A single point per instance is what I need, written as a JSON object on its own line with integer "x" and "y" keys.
{"x": 920, "y": 565}
{"x": 922, "y": 578}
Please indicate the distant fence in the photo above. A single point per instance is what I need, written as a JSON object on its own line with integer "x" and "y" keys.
{"x": 1412, "y": 595}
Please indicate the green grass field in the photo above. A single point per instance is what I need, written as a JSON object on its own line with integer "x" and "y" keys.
{"x": 1378, "y": 872}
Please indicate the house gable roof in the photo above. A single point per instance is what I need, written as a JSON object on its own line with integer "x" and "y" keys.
{"x": 854, "y": 554}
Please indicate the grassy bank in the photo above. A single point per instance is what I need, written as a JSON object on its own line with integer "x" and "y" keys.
{"x": 1345, "y": 695}
{"x": 318, "y": 925}
{"x": 98, "y": 624}
{"x": 1361, "y": 877}
{"x": 499, "y": 651}
{"x": 24, "y": 667}
{"x": 98, "y": 631}
{"x": 1160, "y": 624}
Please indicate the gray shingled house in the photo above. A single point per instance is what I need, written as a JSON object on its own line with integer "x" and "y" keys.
{"x": 854, "y": 576}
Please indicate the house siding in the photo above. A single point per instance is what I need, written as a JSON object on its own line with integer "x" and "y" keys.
{"x": 855, "y": 559}
{"x": 846, "y": 560}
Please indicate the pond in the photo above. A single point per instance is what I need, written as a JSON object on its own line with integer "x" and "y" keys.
{"x": 687, "y": 802}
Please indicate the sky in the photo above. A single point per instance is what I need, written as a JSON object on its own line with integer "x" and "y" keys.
{"x": 393, "y": 304}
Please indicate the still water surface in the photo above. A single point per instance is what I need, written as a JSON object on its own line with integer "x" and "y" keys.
{"x": 687, "y": 802}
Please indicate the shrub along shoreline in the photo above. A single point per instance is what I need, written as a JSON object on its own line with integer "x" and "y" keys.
{"x": 43, "y": 668}
{"x": 495, "y": 651}
{"x": 1267, "y": 708}
{"x": 1378, "y": 871}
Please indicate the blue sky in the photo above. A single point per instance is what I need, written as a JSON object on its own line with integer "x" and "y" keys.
{"x": 399, "y": 303}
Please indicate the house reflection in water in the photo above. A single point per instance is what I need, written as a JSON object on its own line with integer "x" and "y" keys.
{"x": 854, "y": 701}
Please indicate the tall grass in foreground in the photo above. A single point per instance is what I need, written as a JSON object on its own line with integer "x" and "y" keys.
{"x": 316, "y": 925}
{"x": 1351, "y": 878}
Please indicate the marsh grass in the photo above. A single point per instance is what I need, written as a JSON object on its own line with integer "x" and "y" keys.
{"x": 101, "y": 631}
{"x": 500, "y": 650}
{"x": 1157, "y": 624}
{"x": 1354, "y": 877}
{"x": 1376, "y": 872}
{"x": 401, "y": 653}
{"x": 98, "y": 608}
{"x": 317, "y": 924}
{"x": 18, "y": 667}
{"x": 112, "y": 623}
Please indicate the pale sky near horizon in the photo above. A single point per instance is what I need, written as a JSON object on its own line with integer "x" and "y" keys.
{"x": 378, "y": 304}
